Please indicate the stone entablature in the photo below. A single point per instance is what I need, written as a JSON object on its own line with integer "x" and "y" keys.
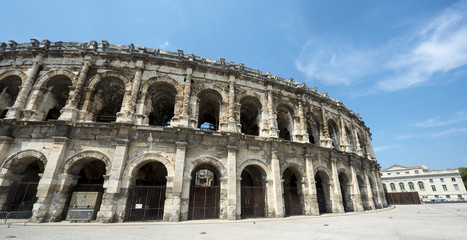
{"x": 67, "y": 104}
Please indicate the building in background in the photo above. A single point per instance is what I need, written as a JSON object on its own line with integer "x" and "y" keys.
{"x": 430, "y": 185}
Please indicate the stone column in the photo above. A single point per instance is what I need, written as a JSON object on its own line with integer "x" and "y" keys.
{"x": 303, "y": 127}
{"x": 357, "y": 200}
{"x": 311, "y": 199}
{"x": 127, "y": 113}
{"x": 18, "y": 106}
{"x": 344, "y": 144}
{"x": 70, "y": 110}
{"x": 185, "y": 115}
{"x": 277, "y": 186}
{"x": 272, "y": 117}
{"x": 358, "y": 148}
{"x": 172, "y": 210}
{"x": 48, "y": 182}
{"x": 232, "y": 123}
{"x": 232, "y": 181}
{"x": 110, "y": 197}
{"x": 371, "y": 203}
{"x": 326, "y": 139}
{"x": 337, "y": 204}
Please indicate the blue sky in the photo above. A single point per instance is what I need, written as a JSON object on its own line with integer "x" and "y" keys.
{"x": 401, "y": 64}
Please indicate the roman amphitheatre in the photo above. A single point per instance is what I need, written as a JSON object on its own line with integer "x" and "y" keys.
{"x": 126, "y": 133}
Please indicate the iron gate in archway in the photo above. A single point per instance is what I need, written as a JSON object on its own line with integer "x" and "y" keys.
{"x": 145, "y": 203}
{"x": 204, "y": 202}
{"x": 253, "y": 202}
{"x": 21, "y": 199}
{"x": 292, "y": 201}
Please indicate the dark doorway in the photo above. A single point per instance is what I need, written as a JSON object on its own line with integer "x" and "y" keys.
{"x": 253, "y": 193}
{"x": 322, "y": 191}
{"x": 345, "y": 192}
{"x": 204, "y": 194}
{"x": 146, "y": 199}
{"x": 292, "y": 196}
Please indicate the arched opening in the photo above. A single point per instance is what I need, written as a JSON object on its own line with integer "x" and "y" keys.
{"x": 346, "y": 192}
{"x": 334, "y": 134}
{"x": 323, "y": 192}
{"x": 362, "y": 144}
{"x": 204, "y": 193}
{"x": 87, "y": 189}
{"x": 160, "y": 104}
{"x": 350, "y": 140}
{"x": 253, "y": 192}
{"x": 9, "y": 89}
{"x": 55, "y": 96}
{"x": 363, "y": 193}
{"x": 209, "y": 102}
{"x": 146, "y": 197}
{"x": 21, "y": 195}
{"x": 393, "y": 187}
{"x": 292, "y": 193}
{"x": 313, "y": 129}
{"x": 107, "y": 99}
{"x": 285, "y": 122}
{"x": 250, "y": 112}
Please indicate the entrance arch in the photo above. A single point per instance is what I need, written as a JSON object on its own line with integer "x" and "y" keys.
{"x": 20, "y": 196}
{"x": 87, "y": 187}
{"x": 146, "y": 197}
{"x": 253, "y": 190}
{"x": 292, "y": 193}
{"x": 204, "y": 192}
{"x": 346, "y": 192}
{"x": 323, "y": 191}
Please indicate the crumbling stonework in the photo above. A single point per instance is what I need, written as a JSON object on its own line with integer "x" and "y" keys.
{"x": 70, "y": 110}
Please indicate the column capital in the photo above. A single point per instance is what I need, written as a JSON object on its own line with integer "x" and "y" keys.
{"x": 181, "y": 144}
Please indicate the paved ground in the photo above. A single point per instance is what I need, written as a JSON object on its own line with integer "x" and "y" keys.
{"x": 431, "y": 221}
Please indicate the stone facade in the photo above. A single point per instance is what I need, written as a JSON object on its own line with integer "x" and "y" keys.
{"x": 97, "y": 113}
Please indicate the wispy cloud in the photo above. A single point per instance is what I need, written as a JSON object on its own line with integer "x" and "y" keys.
{"x": 382, "y": 148}
{"x": 454, "y": 131}
{"x": 405, "y": 136}
{"x": 164, "y": 45}
{"x": 459, "y": 117}
{"x": 406, "y": 61}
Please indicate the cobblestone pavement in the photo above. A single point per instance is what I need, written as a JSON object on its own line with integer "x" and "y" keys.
{"x": 430, "y": 221}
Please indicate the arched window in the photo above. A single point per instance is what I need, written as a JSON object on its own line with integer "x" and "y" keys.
{"x": 393, "y": 187}
{"x": 9, "y": 89}
{"x": 411, "y": 186}
{"x": 350, "y": 141}
{"x": 313, "y": 129}
{"x": 209, "y": 102}
{"x": 160, "y": 104}
{"x": 285, "y": 122}
{"x": 107, "y": 99}
{"x": 421, "y": 185}
{"x": 334, "y": 134}
{"x": 55, "y": 96}
{"x": 402, "y": 187}
{"x": 250, "y": 113}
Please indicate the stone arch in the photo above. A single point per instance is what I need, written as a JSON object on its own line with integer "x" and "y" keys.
{"x": 96, "y": 79}
{"x": 250, "y": 114}
{"x": 247, "y": 93}
{"x": 28, "y": 153}
{"x": 321, "y": 167}
{"x": 295, "y": 167}
{"x": 140, "y": 160}
{"x": 200, "y": 88}
{"x": 86, "y": 154}
{"x": 56, "y": 72}
{"x": 256, "y": 162}
{"x": 161, "y": 79}
{"x": 15, "y": 72}
{"x": 210, "y": 104}
{"x": 204, "y": 160}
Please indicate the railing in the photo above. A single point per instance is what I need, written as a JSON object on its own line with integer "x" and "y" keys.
{"x": 81, "y": 215}
{"x": 9, "y": 218}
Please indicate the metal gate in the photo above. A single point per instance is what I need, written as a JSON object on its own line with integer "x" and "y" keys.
{"x": 292, "y": 201}
{"x": 145, "y": 203}
{"x": 403, "y": 198}
{"x": 253, "y": 202}
{"x": 21, "y": 199}
{"x": 204, "y": 202}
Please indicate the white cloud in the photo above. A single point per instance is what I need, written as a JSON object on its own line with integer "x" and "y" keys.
{"x": 409, "y": 60}
{"x": 381, "y": 148}
{"x": 164, "y": 45}
{"x": 459, "y": 117}
{"x": 448, "y": 132}
{"x": 406, "y": 136}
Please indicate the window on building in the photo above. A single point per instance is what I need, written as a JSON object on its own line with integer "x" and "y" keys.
{"x": 453, "y": 179}
{"x": 398, "y": 173}
{"x": 411, "y": 186}
{"x": 456, "y": 187}
{"x": 421, "y": 186}
{"x": 433, "y": 187}
{"x": 442, "y": 179}
{"x": 448, "y": 196}
{"x": 389, "y": 173}
{"x": 460, "y": 197}
{"x": 431, "y": 180}
{"x": 406, "y": 172}
{"x": 445, "y": 188}
{"x": 393, "y": 187}
{"x": 416, "y": 171}
{"x": 401, "y": 185}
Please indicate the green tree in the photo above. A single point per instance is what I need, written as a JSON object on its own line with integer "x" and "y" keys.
{"x": 463, "y": 172}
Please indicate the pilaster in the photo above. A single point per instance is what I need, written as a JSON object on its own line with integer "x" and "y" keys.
{"x": 356, "y": 191}
{"x": 337, "y": 205}
{"x": 232, "y": 181}
{"x": 277, "y": 186}
{"x": 172, "y": 213}
{"x": 310, "y": 195}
